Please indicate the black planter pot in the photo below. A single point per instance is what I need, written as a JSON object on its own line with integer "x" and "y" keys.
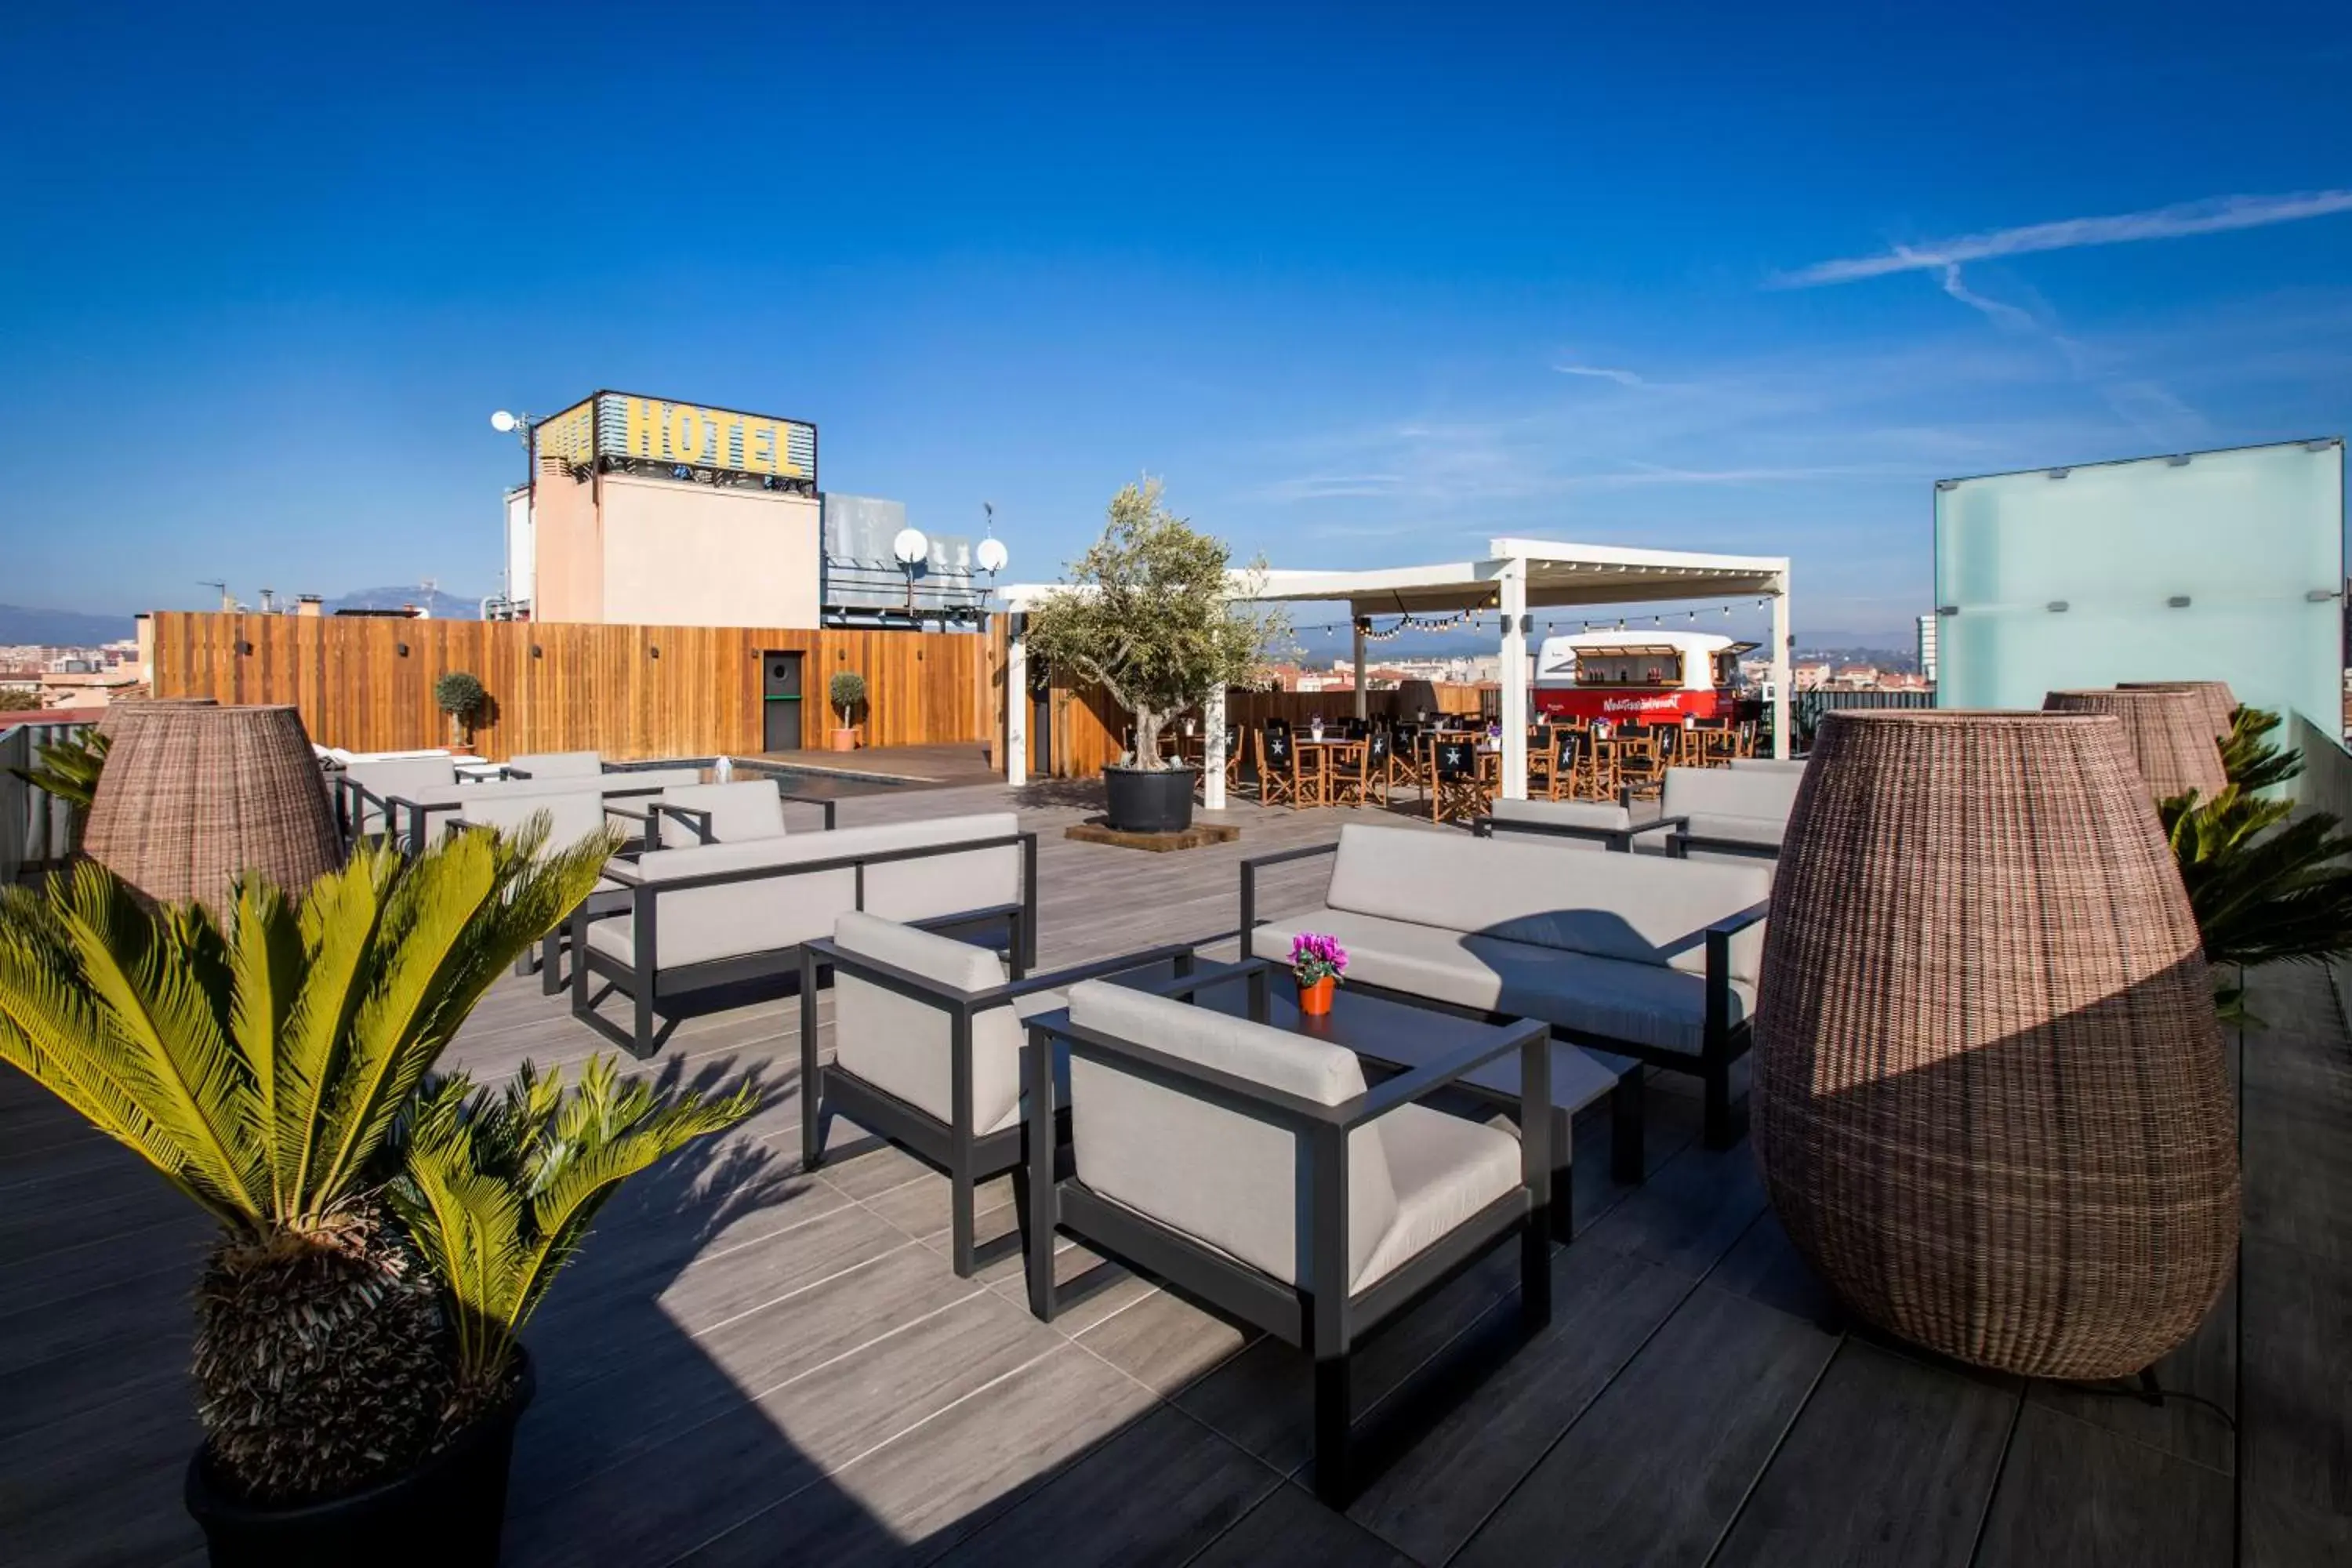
{"x": 450, "y": 1510}
{"x": 1147, "y": 800}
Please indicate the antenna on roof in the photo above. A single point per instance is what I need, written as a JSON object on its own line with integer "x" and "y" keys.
{"x": 226, "y": 604}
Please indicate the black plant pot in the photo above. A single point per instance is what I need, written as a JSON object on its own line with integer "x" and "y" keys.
{"x": 448, "y": 1511}
{"x": 1149, "y": 800}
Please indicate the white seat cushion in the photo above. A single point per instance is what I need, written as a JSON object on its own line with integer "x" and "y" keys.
{"x": 1443, "y": 1170}
{"x": 1229, "y": 1179}
{"x": 572, "y": 814}
{"x": 765, "y": 914}
{"x": 751, "y": 809}
{"x": 904, "y": 1047}
{"x": 1645, "y": 1004}
{"x": 1761, "y": 794}
{"x": 1522, "y": 889}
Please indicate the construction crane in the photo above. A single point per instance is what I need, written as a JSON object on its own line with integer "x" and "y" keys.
{"x": 227, "y": 605}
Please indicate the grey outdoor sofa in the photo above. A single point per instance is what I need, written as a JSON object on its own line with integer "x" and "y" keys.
{"x": 1722, "y": 813}
{"x": 927, "y": 1044}
{"x": 1635, "y": 956}
{"x": 1256, "y": 1170}
{"x": 716, "y": 914}
{"x": 403, "y": 796}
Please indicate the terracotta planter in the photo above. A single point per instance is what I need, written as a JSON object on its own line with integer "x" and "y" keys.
{"x": 1315, "y": 1000}
{"x": 845, "y": 739}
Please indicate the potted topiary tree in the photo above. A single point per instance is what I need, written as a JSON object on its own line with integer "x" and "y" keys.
{"x": 846, "y": 691}
{"x": 1154, "y": 614}
{"x": 461, "y": 696}
{"x": 383, "y": 1236}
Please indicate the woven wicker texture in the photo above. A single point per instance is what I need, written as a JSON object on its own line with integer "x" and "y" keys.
{"x": 1988, "y": 1100}
{"x": 2169, "y": 733}
{"x": 2218, "y": 702}
{"x": 121, "y": 714}
{"x": 193, "y": 796}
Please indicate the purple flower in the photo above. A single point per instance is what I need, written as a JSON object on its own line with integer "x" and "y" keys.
{"x": 1314, "y": 955}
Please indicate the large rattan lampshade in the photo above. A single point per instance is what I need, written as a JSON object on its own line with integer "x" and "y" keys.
{"x": 2220, "y": 703}
{"x": 1988, "y": 1103}
{"x": 193, "y": 796}
{"x": 124, "y": 712}
{"x": 2168, "y": 730}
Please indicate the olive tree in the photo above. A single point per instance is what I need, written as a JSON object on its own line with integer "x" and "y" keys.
{"x": 1153, "y": 615}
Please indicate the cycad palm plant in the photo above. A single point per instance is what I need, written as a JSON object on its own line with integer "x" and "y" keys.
{"x": 260, "y": 1063}
{"x": 68, "y": 769}
{"x": 498, "y": 1189}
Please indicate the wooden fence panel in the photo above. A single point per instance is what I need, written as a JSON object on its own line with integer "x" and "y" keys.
{"x": 627, "y": 691}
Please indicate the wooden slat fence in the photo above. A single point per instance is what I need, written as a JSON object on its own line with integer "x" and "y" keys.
{"x": 627, "y": 691}
{"x": 1089, "y": 728}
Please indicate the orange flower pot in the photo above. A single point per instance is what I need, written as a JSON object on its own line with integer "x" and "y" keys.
{"x": 1315, "y": 1000}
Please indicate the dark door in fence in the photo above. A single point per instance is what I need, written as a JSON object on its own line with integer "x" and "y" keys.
{"x": 779, "y": 701}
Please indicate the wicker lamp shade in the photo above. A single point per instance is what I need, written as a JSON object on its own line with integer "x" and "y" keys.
{"x": 2168, "y": 731}
{"x": 1989, "y": 1101}
{"x": 194, "y": 796}
{"x": 122, "y": 714}
{"x": 2218, "y": 702}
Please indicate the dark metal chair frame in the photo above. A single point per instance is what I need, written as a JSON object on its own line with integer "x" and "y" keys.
{"x": 646, "y": 982}
{"x": 1722, "y": 1043}
{"x": 965, "y": 1158}
{"x": 1321, "y": 1316}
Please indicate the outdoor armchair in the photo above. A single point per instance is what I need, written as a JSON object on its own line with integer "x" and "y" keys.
{"x": 688, "y": 815}
{"x": 717, "y": 914}
{"x": 1566, "y": 824}
{"x": 572, "y": 814}
{"x": 928, "y": 1046}
{"x": 1257, "y": 1171}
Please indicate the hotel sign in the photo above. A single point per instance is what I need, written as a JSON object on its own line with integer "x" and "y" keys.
{"x": 620, "y": 427}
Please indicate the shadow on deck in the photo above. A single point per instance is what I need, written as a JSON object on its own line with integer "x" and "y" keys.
{"x": 754, "y": 1364}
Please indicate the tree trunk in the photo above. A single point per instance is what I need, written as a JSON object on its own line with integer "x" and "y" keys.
{"x": 1147, "y": 722}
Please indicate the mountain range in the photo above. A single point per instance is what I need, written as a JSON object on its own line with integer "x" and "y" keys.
{"x": 80, "y": 628}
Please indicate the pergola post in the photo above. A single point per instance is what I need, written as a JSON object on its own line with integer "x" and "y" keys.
{"x": 1016, "y": 701}
{"x": 1363, "y": 709}
{"x": 1213, "y": 777}
{"x": 1514, "y": 586}
{"x": 1780, "y": 668}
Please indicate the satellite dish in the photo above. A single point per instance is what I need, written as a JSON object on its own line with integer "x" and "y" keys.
{"x": 991, "y": 554}
{"x": 911, "y": 546}
{"x": 502, "y": 422}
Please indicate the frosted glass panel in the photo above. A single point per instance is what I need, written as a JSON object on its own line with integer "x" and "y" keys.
{"x": 2227, "y": 566}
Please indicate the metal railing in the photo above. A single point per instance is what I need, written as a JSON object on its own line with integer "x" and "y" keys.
{"x": 1806, "y": 708}
{"x": 35, "y": 827}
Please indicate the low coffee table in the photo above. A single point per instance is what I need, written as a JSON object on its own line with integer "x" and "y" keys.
{"x": 1394, "y": 1032}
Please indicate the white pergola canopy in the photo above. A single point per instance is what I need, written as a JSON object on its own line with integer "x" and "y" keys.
{"x": 1516, "y": 575}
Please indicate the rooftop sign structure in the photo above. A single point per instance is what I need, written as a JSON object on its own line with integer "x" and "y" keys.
{"x": 657, "y": 436}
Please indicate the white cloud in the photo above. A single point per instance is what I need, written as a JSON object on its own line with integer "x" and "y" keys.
{"x": 1602, "y": 372}
{"x": 2218, "y": 216}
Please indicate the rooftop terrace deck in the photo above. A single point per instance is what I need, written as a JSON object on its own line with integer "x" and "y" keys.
{"x": 749, "y": 1365}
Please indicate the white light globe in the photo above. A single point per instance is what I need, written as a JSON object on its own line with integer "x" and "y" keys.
{"x": 911, "y": 546}
{"x": 991, "y": 554}
{"x": 502, "y": 422}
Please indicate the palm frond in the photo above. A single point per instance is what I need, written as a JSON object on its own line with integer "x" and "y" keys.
{"x": 2251, "y": 758}
{"x": 69, "y": 769}
{"x": 2265, "y": 885}
{"x": 162, "y": 990}
{"x": 498, "y": 1190}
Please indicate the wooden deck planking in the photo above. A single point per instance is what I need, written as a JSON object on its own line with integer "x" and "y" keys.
{"x": 754, "y": 1364}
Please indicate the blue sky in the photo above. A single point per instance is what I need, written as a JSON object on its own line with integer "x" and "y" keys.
{"x": 1367, "y": 284}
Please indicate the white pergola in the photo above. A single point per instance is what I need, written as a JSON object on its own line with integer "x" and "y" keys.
{"x": 1515, "y": 577}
